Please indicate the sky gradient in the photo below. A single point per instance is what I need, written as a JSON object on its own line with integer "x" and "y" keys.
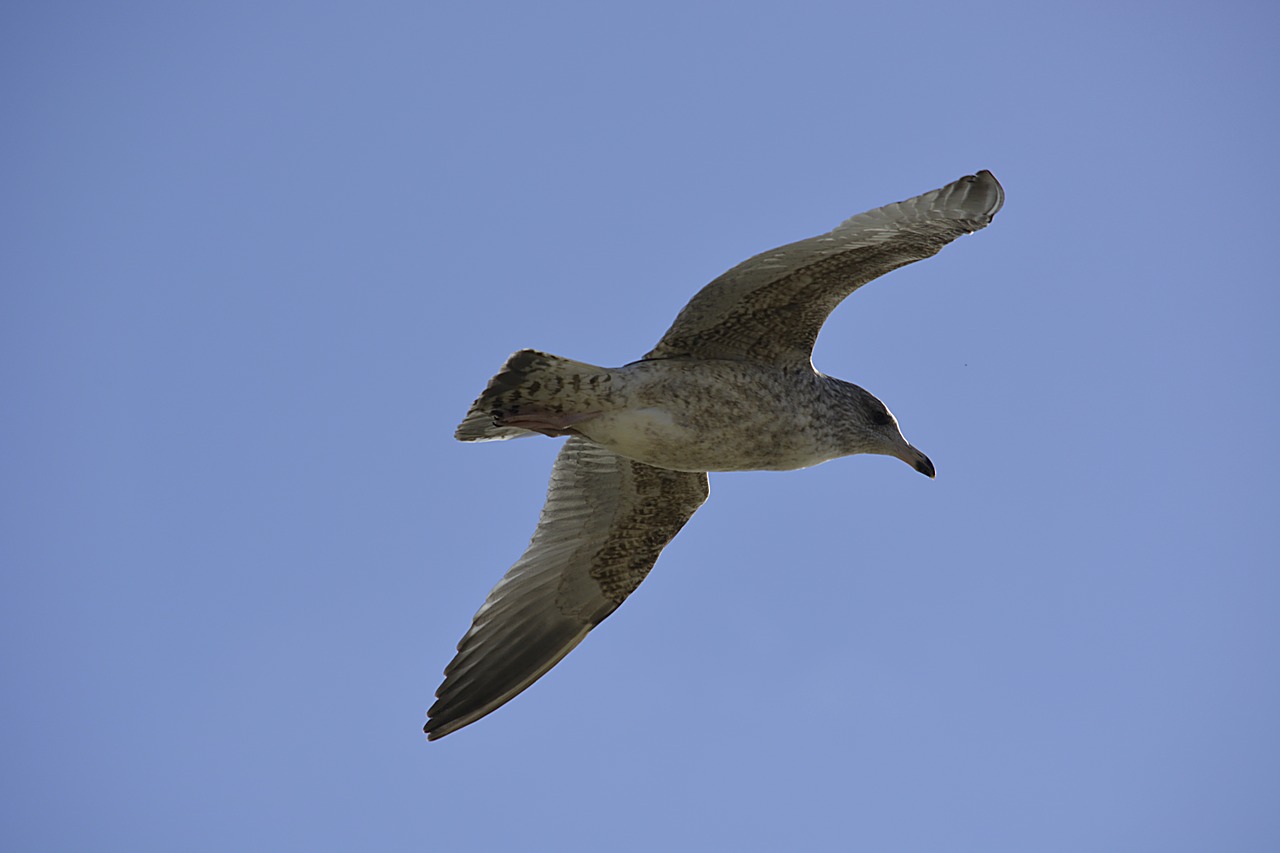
{"x": 259, "y": 258}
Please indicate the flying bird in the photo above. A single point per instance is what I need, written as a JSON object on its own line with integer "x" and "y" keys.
{"x": 729, "y": 387}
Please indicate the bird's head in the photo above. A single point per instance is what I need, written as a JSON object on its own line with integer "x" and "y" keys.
{"x": 872, "y": 428}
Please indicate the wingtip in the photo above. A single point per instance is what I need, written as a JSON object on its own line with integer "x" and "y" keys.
{"x": 442, "y": 721}
{"x": 985, "y": 177}
{"x": 440, "y": 726}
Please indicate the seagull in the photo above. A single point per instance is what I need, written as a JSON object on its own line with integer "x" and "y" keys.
{"x": 729, "y": 387}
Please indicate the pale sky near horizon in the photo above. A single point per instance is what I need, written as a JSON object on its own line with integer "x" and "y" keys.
{"x": 259, "y": 258}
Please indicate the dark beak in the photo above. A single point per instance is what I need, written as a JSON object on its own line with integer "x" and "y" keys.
{"x": 924, "y": 466}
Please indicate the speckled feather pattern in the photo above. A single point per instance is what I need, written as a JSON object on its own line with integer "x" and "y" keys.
{"x": 729, "y": 387}
{"x": 662, "y": 501}
{"x": 770, "y": 307}
{"x": 605, "y": 521}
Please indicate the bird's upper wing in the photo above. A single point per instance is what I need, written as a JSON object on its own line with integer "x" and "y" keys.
{"x": 605, "y": 521}
{"x": 769, "y": 308}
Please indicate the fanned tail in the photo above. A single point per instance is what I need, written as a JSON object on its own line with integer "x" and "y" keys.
{"x": 530, "y": 384}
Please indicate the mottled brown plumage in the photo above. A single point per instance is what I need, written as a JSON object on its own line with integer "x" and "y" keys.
{"x": 729, "y": 387}
{"x": 770, "y": 307}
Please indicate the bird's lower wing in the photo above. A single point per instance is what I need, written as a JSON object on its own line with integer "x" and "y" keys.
{"x": 605, "y": 521}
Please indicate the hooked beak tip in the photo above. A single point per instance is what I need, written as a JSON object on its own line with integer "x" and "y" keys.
{"x": 924, "y": 466}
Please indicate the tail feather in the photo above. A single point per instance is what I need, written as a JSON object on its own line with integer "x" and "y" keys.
{"x": 530, "y": 381}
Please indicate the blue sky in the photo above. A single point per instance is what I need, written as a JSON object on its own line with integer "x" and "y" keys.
{"x": 259, "y": 258}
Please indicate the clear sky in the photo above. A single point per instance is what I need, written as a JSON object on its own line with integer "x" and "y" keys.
{"x": 258, "y": 258}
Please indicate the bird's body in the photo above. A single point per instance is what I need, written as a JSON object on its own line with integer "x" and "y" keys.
{"x": 697, "y": 414}
{"x": 690, "y": 415}
{"x": 729, "y": 387}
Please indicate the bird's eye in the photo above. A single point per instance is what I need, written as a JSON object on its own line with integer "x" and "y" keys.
{"x": 881, "y": 418}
